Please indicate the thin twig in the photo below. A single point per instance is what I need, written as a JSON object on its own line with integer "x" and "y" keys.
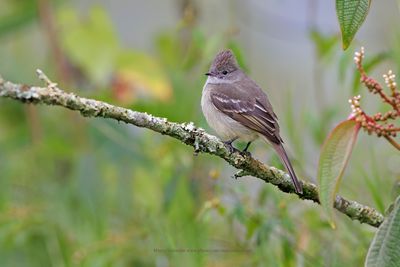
{"x": 186, "y": 133}
{"x": 393, "y": 142}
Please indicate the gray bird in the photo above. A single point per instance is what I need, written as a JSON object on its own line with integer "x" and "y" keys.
{"x": 237, "y": 108}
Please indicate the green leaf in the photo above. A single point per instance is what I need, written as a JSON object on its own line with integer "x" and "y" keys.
{"x": 90, "y": 44}
{"x": 324, "y": 44}
{"x": 384, "y": 250}
{"x": 334, "y": 157}
{"x": 18, "y": 14}
{"x": 351, "y": 14}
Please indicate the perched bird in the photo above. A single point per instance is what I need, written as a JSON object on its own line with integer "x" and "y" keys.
{"x": 237, "y": 108}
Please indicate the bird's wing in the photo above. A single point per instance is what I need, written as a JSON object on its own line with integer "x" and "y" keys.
{"x": 248, "y": 109}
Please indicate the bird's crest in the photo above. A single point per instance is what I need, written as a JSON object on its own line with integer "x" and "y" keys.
{"x": 225, "y": 60}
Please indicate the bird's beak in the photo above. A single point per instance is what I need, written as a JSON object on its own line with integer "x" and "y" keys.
{"x": 208, "y": 74}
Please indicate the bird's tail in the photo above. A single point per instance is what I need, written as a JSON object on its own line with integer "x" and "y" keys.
{"x": 285, "y": 160}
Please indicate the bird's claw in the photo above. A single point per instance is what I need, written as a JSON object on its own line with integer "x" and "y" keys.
{"x": 246, "y": 153}
{"x": 240, "y": 173}
{"x": 229, "y": 146}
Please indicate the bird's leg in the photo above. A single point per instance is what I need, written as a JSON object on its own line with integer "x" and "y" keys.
{"x": 244, "y": 151}
{"x": 229, "y": 144}
{"x": 247, "y": 147}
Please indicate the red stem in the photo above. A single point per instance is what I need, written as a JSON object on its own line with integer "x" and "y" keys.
{"x": 393, "y": 142}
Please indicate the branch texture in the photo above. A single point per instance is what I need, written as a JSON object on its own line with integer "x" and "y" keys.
{"x": 186, "y": 133}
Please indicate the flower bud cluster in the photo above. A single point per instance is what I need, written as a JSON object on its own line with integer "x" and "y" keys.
{"x": 378, "y": 123}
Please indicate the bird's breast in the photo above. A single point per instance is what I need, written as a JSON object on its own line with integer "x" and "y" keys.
{"x": 226, "y": 127}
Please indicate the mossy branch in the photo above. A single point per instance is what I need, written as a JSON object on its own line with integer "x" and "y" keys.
{"x": 186, "y": 133}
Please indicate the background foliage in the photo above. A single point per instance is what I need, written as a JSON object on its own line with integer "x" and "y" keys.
{"x": 90, "y": 192}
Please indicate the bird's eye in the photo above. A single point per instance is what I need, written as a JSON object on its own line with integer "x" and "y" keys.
{"x": 224, "y": 72}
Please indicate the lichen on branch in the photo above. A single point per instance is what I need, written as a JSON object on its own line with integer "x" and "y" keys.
{"x": 184, "y": 132}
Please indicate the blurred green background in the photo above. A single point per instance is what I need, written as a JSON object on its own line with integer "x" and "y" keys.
{"x": 94, "y": 192}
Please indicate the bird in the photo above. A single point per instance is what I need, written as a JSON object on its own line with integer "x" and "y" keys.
{"x": 237, "y": 108}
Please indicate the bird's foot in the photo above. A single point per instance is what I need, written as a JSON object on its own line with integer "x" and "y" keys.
{"x": 240, "y": 173}
{"x": 229, "y": 145}
{"x": 245, "y": 152}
